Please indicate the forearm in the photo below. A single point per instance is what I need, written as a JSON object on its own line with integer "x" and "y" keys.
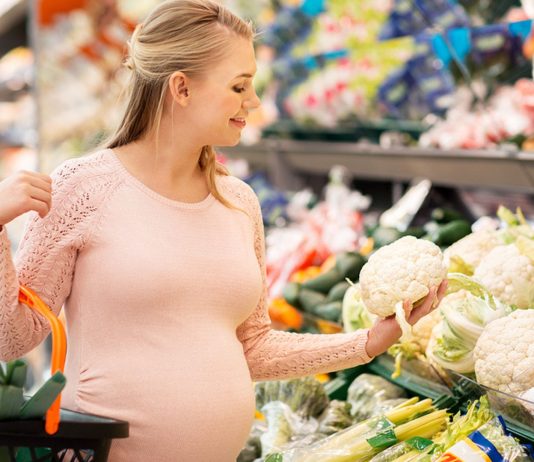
{"x": 279, "y": 355}
{"x": 20, "y": 329}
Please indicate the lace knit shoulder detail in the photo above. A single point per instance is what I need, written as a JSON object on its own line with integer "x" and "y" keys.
{"x": 47, "y": 252}
{"x": 275, "y": 355}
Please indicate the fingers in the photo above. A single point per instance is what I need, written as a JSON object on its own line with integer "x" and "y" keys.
{"x": 42, "y": 208}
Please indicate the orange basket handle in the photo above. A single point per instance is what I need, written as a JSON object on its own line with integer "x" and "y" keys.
{"x": 59, "y": 349}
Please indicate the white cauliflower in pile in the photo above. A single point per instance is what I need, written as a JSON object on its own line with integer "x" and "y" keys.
{"x": 403, "y": 270}
{"x": 504, "y": 353}
{"x": 508, "y": 275}
{"x": 473, "y": 247}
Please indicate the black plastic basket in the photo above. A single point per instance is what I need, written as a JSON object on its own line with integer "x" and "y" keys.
{"x": 80, "y": 438}
{"x": 64, "y": 435}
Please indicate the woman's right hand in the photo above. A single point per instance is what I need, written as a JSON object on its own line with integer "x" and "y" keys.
{"x": 23, "y": 192}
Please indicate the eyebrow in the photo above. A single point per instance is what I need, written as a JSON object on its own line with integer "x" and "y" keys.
{"x": 247, "y": 75}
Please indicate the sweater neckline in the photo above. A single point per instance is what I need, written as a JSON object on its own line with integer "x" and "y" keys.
{"x": 203, "y": 204}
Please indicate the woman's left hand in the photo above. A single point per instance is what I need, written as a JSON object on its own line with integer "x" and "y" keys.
{"x": 386, "y": 332}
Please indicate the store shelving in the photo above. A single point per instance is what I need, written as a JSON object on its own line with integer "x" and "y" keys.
{"x": 498, "y": 169}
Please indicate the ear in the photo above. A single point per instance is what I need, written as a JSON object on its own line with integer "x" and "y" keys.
{"x": 179, "y": 88}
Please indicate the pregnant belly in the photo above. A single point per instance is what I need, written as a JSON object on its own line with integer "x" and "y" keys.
{"x": 190, "y": 404}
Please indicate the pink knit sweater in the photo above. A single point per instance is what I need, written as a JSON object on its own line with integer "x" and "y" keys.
{"x": 165, "y": 306}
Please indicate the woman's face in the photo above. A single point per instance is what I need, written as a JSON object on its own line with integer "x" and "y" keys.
{"x": 221, "y": 101}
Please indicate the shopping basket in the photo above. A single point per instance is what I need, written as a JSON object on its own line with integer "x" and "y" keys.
{"x": 66, "y": 436}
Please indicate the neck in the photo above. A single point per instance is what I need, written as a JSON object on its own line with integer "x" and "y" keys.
{"x": 173, "y": 157}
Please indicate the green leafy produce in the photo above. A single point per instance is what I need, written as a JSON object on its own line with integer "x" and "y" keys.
{"x": 304, "y": 396}
{"x": 336, "y": 417}
{"x": 338, "y": 291}
{"x": 354, "y": 313}
{"x": 466, "y": 310}
{"x": 367, "y": 392}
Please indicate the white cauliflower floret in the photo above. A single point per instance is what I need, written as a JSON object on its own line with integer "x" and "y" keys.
{"x": 403, "y": 270}
{"x": 508, "y": 275}
{"x": 473, "y": 247}
{"x": 504, "y": 353}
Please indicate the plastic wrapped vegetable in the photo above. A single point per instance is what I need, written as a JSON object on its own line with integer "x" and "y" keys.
{"x": 336, "y": 417}
{"x": 252, "y": 449}
{"x": 367, "y": 391}
{"x": 364, "y": 440}
{"x": 489, "y": 442}
{"x": 405, "y": 270}
{"x": 466, "y": 310}
{"x": 279, "y": 429}
{"x": 305, "y": 396}
{"x": 415, "y": 445}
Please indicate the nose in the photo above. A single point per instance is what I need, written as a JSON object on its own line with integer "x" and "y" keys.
{"x": 253, "y": 102}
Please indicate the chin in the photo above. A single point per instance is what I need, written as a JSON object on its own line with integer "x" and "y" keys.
{"x": 228, "y": 143}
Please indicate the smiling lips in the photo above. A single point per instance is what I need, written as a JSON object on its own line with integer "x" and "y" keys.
{"x": 239, "y": 122}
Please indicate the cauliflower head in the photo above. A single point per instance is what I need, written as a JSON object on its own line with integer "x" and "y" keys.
{"x": 473, "y": 247}
{"x": 504, "y": 353}
{"x": 403, "y": 270}
{"x": 508, "y": 275}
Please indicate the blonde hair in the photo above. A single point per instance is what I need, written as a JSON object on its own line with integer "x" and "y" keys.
{"x": 178, "y": 35}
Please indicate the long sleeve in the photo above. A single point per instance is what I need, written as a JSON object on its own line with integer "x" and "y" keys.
{"x": 276, "y": 355}
{"x": 46, "y": 257}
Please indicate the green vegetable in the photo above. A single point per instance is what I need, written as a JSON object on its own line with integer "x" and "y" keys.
{"x": 415, "y": 231}
{"x": 354, "y": 313}
{"x": 478, "y": 413}
{"x": 445, "y": 215}
{"x": 451, "y": 232}
{"x": 330, "y": 311}
{"x": 305, "y": 396}
{"x": 338, "y": 291}
{"x": 324, "y": 282}
{"x": 309, "y": 299}
{"x": 350, "y": 264}
{"x": 336, "y": 417}
{"x": 291, "y": 293}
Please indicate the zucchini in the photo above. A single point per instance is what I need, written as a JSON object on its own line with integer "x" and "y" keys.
{"x": 329, "y": 311}
{"x": 350, "y": 264}
{"x": 309, "y": 299}
{"x": 445, "y": 215}
{"x": 448, "y": 234}
{"x": 324, "y": 282}
{"x": 338, "y": 291}
{"x": 290, "y": 292}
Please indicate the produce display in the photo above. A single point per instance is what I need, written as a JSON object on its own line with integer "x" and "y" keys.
{"x": 364, "y": 428}
{"x": 481, "y": 330}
